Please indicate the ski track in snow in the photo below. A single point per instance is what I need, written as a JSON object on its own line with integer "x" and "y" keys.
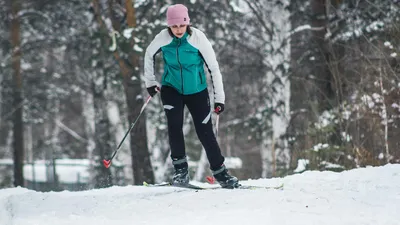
{"x": 360, "y": 196}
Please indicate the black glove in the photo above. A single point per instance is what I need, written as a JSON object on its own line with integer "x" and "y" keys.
{"x": 153, "y": 90}
{"x": 218, "y": 108}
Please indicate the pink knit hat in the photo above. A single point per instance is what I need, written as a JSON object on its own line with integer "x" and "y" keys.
{"x": 177, "y": 15}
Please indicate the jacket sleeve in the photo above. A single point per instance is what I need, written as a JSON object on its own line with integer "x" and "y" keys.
{"x": 211, "y": 62}
{"x": 149, "y": 60}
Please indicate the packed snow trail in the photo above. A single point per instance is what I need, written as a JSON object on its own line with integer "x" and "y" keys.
{"x": 361, "y": 196}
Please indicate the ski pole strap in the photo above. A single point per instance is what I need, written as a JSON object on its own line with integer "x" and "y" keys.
{"x": 145, "y": 104}
{"x": 216, "y": 126}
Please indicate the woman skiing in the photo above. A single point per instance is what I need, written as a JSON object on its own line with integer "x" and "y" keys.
{"x": 185, "y": 52}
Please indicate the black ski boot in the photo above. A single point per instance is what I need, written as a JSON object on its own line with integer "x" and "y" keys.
{"x": 181, "y": 175}
{"x": 225, "y": 179}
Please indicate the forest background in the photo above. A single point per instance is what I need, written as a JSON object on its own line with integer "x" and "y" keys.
{"x": 309, "y": 84}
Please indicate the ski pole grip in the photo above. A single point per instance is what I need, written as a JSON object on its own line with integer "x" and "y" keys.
{"x": 217, "y": 109}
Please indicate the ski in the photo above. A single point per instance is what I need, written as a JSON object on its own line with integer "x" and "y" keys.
{"x": 253, "y": 187}
{"x": 167, "y": 184}
{"x": 195, "y": 187}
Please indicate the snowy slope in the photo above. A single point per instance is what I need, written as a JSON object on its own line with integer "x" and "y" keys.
{"x": 361, "y": 196}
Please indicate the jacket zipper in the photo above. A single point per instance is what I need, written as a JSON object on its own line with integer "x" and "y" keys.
{"x": 166, "y": 74}
{"x": 201, "y": 79}
{"x": 180, "y": 65}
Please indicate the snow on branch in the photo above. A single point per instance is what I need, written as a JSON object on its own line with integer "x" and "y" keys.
{"x": 29, "y": 12}
{"x": 70, "y": 131}
{"x": 305, "y": 27}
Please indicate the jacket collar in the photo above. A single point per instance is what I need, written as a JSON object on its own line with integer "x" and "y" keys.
{"x": 183, "y": 38}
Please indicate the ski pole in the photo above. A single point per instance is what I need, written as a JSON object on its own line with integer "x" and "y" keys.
{"x": 211, "y": 179}
{"x": 217, "y": 120}
{"x": 107, "y": 163}
{"x": 216, "y": 126}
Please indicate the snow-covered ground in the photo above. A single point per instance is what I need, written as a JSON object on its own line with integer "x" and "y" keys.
{"x": 361, "y": 196}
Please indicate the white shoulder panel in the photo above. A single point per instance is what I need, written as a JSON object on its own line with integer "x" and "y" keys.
{"x": 199, "y": 40}
{"x": 160, "y": 40}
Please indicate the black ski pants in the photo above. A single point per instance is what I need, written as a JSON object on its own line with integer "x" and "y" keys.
{"x": 199, "y": 107}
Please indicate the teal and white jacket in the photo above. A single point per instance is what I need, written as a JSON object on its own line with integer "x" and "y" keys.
{"x": 184, "y": 60}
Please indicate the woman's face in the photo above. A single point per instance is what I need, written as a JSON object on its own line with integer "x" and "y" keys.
{"x": 178, "y": 30}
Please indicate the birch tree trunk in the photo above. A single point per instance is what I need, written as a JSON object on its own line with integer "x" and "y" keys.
{"x": 29, "y": 142}
{"x": 203, "y": 161}
{"x": 102, "y": 133}
{"x": 1, "y": 100}
{"x": 266, "y": 154}
{"x": 119, "y": 132}
{"x": 9, "y": 141}
{"x": 201, "y": 166}
{"x": 18, "y": 127}
{"x": 49, "y": 152}
{"x": 89, "y": 115}
{"x": 275, "y": 23}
